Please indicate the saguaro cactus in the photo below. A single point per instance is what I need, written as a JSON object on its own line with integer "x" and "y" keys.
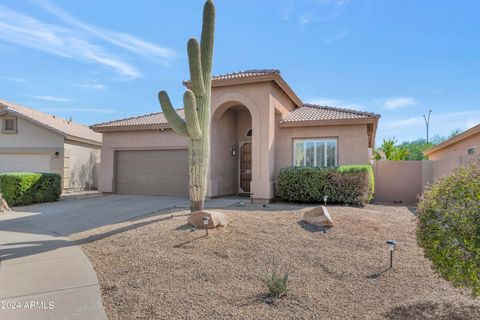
{"x": 196, "y": 100}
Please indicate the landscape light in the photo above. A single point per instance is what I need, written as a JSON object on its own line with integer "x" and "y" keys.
{"x": 205, "y": 223}
{"x": 325, "y": 198}
{"x": 392, "y": 245}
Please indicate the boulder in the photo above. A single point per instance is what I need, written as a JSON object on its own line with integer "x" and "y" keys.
{"x": 216, "y": 219}
{"x": 318, "y": 216}
{"x": 3, "y": 205}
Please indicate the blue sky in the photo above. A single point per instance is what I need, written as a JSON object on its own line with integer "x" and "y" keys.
{"x": 102, "y": 60}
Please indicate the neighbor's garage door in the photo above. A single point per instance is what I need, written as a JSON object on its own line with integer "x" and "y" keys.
{"x": 24, "y": 162}
{"x": 152, "y": 172}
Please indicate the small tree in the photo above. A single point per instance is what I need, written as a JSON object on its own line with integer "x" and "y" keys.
{"x": 389, "y": 151}
{"x": 449, "y": 227}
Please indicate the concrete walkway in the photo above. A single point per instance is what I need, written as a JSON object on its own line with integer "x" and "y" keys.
{"x": 44, "y": 275}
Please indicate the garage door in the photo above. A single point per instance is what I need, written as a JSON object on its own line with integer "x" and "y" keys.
{"x": 152, "y": 172}
{"x": 24, "y": 162}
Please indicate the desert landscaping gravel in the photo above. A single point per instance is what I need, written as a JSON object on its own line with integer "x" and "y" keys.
{"x": 157, "y": 268}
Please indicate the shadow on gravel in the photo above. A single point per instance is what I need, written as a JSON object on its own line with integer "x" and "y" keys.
{"x": 434, "y": 310}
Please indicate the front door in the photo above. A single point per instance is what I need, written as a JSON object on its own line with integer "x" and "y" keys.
{"x": 245, "y": 167}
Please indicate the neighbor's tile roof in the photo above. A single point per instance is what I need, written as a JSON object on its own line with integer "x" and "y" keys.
{"x": 311, "y": 112}
{"x": 62, "y": 126}
{"x": 143, "y": 120}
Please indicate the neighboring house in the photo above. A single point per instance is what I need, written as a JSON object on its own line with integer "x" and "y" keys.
{"x": 259, "y": 126}
{"x": 455, "y": 151}
{"x": 31, "y": 140}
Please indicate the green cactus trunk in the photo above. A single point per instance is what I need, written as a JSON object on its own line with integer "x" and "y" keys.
{"x": 196, "y": 100}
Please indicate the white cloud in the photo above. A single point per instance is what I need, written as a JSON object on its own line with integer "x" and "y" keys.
{"x": 123, "y": 40}
{"x": 86, "y": 110}
{"x": 15, "y": 79}
{"x": 398, "y": 102}
{"x": 306, "y": 18}
{"x": 52, "y": 98}
{"x": 74, "y": 41}
{"x": 335, "y": 37}
{"x": 91, "y": 86}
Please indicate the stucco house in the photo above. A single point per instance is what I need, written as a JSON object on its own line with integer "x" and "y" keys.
{"x": 259, "y": 125}
{"x": 464, "y": 144}
{"x": 455, "y": 152}
{"x": 31, "y": 140}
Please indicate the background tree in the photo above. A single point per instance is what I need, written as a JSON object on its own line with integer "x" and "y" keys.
{"x": 449, "y": 227}
{"x": 196, "y": 100}
{"x": 389, "y": 151}
{"x": 416, "y": 148}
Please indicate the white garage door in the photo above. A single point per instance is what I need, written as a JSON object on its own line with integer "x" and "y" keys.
{"x": 152, "y": 172}
{"x": 24, "y": 162}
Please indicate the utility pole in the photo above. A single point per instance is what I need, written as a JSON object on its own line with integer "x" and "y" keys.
{"x": 427, "y": 121}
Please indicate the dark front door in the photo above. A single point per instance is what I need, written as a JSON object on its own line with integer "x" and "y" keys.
{"x": 245, "y": 166}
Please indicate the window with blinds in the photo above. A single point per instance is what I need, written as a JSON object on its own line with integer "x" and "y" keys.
{"x": 315, "y": 153}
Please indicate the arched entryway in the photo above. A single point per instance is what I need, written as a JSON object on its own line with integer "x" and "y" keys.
{"x": 231, "y": 150}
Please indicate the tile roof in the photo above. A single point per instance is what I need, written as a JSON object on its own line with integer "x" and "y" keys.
{"x": 62, "y": 126}
{"x": 245, "y": 74}
{"x": 143, "y": 120}
{"x": 312, "y": 112}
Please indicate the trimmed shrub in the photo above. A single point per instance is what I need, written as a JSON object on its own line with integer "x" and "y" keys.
{"x": 25, "y": 188}
{"x": 448, "y": 227}
{"x": 353, "y": 185}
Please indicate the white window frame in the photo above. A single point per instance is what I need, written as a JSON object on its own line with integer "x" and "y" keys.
{"x": 4, "y": 129}
{"x": 314, "y": 140}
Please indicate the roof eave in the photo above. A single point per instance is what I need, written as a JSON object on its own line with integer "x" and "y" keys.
{"x": 457, "y": 138}
{"x": 131, "y": 127}
{"x": 316, "y": 123}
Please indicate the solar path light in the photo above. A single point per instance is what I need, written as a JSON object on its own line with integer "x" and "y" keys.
{"x": 392, "y": 245}
{"x": 205, "y": 223}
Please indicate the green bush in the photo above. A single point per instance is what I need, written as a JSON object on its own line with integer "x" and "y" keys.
{"x": 449, "y": 226}
{"x": 353, "y": 185}
{"x": 24, "y": 188}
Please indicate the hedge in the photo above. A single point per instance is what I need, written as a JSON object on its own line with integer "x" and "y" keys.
{"x": 448, "y": 227}
{"x": 353, "y": 185}
{"x": 25, "y": 188}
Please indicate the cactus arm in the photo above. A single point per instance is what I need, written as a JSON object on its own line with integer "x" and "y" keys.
{"x": 207, "y": 39}
{"x": 176, "y": 122}
{"x": 191, "y": 117}
{"x": 194, "y": 61}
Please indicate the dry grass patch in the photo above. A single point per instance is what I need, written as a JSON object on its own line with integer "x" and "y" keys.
{"x": 156, "y": 268}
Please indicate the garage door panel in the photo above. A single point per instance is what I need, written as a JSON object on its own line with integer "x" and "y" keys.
{"x": 152, "y": 172}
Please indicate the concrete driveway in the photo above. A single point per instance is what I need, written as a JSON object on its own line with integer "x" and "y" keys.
{"x": 43, "y": 274}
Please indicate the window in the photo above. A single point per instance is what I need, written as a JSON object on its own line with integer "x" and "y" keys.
{"x": 472, "y": 150}
{"x": 315, "y": 153}
{"x": 9, "y": 125}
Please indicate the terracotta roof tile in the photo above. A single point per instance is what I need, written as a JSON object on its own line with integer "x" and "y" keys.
{"x": 52, "y": 122}
{"x": 311, "y": 112}
{"x": 143, "y": 120}
{"x": 244, "y": 74}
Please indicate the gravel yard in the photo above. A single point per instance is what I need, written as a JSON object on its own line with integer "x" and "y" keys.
{"x": 156, "y": 268}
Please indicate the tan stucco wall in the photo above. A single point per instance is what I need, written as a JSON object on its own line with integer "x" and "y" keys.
{"x": 457, "y": 149}
{"x": 223, "y": 166}
{"x": 352, "y": 143}
{"x": 81, "y": 166}
{"x": 399, "y": 181}
{"x": 132, "y": 140}
{"x": 34, "y": 139}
